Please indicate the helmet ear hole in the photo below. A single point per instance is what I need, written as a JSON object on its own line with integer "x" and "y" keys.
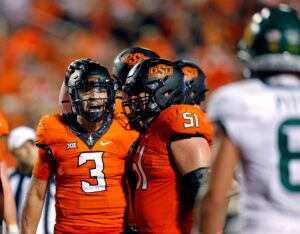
{"x": 166, "y": 94}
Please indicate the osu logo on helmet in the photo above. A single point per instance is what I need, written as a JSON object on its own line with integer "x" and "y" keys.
{"x": 161, "y": 71}
{"x": 134, "y": 58}
{"x": 190, "y": 73}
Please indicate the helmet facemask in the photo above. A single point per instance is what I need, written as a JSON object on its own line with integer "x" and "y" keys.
{"x": 92, "y": 102}
{"x": 92, "y": 96}
{"x": 134, "y": 106}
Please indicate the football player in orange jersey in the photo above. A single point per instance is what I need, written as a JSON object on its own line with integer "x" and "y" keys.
{"x": 123, "y": 62}
{"x": 86, "y": 150}
{"x": 8, "y": 205}
{"x": 173, "y": 158}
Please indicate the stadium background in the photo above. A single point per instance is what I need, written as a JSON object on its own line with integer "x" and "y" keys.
{"x": 39, "y": 38}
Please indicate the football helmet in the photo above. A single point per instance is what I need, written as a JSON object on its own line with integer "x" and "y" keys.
{"x": 85, "y": 80}
{"x": 271, "y": 41}
{"x": 151, "y": 86}
{"x": 126, "y": 60}
{"x": 195, "y": 81}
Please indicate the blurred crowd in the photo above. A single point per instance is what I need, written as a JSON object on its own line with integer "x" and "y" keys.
{"x": 39, "y": 38}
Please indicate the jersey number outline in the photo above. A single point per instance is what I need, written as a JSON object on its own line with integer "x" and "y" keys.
{"x": 142, "y": 182}
{"x": 96, "y": 172}
{"x": 286, "y": 156}
{"x": 192, "y": 119}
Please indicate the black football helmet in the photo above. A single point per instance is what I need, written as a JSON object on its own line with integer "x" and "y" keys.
{"x": 151, "y": 86}
{"x": 126, "y": 60}
{"x": 195, "y": 81}
{"x": 271, "y": 42}
{"x": 85, "y": 75}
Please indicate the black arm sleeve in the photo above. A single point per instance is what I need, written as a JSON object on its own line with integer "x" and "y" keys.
{"x": 195, "y": 180}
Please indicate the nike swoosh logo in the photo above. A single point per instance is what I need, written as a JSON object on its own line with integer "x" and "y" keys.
{"x": 105, "y": 143}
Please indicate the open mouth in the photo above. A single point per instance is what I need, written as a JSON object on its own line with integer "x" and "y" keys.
{"x": 94, "y": 108}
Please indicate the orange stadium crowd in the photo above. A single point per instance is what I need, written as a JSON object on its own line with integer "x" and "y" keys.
{"x": 68, "y": 82}
{"x": 38, "y": 38}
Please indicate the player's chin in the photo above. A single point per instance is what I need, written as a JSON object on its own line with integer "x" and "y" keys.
{"x": 96, "y": 116}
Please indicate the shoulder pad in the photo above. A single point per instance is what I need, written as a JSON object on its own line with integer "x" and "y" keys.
{"x": 184, "y": 120}
{"x": 46, "y": 128}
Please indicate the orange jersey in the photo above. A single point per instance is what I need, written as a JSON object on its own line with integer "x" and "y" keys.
{"x": 130, "y": 221}
{"x": 124, "y": 121}
{"x": 121, "y": 116}
{"x": 1, "y": 157}
{"x": 89, "y": 172}
{"x": 118, "y": 108}
{"x": 160, "y": 204}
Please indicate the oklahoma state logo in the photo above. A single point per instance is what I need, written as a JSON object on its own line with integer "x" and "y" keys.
{"x": 190, "y": 72}
{"x": 134, "y": 58}
{"x": 161, "y": 71}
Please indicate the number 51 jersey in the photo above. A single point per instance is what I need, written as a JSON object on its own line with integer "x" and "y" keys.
{"x": 89, "y": 172}
{"x": 264, "y": 123}
{"x": 161, "y": 200}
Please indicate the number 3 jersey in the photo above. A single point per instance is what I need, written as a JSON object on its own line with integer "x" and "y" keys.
{"x": 160, "y": 199}
{"x": 264, "y": 123}
{"x": 89, "y": 171}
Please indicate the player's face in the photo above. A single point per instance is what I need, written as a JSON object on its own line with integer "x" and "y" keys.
{"x": 134, "y": 106}
{"x": 138, "y": 102}
{"x": 94, "y": 99}
{"x": 142, "y": 100}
